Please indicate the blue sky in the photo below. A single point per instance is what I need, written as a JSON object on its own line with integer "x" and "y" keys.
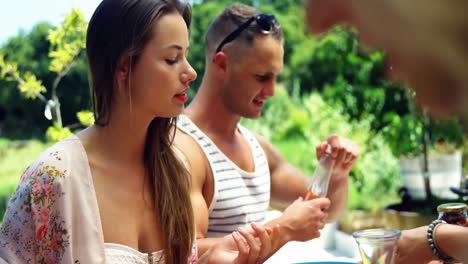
{"x": 16, "y": 15}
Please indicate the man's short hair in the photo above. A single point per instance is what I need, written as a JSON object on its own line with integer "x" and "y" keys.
{"x": 228, "y": 21}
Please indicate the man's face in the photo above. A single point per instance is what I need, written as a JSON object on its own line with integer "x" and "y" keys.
{"x": 251, "y": 75}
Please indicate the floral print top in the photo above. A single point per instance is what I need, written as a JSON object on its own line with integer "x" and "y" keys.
{"x": 53, "y": 215}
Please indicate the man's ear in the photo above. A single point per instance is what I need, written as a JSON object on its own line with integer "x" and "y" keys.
{"x": 123, "y": 68}
{"x": 221, "y": 60}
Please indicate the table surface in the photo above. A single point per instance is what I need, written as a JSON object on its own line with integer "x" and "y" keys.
{"x": 309, "y": 251}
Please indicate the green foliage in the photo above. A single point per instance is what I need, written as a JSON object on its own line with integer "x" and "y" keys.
{"x": 353, "y": 78}
{"x": 30, "y": 86}
{"x": 5, "y": 192}
{"x": 27, "y": 82}
{"x": 30, "y": 53}
{"x": 67, "y": 41}
{"x": 56, "y": 133}
{"x": 378, "y": 182}
{"x": 403, "y": 134}
{"x": 348, "y": 75}
{"x": 202, "y": 14}
{"x": 86, "y": 118}
{"x": 310, "y": 120}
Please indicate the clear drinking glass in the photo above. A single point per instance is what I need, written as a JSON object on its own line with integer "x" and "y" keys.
{"x": 377, "y": 246}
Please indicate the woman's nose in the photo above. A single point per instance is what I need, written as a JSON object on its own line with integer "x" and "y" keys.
{"x": 189, "y": 74}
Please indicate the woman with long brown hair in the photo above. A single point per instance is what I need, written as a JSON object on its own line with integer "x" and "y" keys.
{"x": 118, "y": 192}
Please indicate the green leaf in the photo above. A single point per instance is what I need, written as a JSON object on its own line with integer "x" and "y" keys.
{"x": 31, "y": 86}
{"x": 67, "y": 41}
{"x": 56, "y": 133}
{"x": 85, "y": 117}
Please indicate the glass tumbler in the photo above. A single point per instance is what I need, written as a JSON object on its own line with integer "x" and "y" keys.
{"x": 377, "y": 246}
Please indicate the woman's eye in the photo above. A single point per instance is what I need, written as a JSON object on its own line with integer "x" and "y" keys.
{"x": 263, "y": 78}
{"x": 172, "y": 61}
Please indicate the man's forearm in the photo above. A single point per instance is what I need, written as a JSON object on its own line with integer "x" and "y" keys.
{"x": 285, "y": 236}
{"x": 338, "y": 195}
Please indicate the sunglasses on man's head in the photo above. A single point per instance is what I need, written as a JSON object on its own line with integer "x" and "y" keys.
{"x": 266, "y": 24}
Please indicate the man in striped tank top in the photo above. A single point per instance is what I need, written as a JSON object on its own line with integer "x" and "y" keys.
{"x": 236, "y": 174}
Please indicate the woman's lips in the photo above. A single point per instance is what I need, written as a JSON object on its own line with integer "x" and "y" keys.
{"x": 182, "y": 97}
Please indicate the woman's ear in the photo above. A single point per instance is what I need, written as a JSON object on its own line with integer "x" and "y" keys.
{"x": 123, "y": 68}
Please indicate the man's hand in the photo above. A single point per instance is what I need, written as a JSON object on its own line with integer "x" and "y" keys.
{"x": 302, "y": 220}
{"x": 343, "y": 151}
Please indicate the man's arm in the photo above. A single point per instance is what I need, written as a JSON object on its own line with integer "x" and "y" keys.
{"x": 198, "y": 168}
{"x": 284, "y": 174}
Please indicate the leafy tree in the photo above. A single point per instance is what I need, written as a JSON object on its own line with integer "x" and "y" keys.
{"x": 66, "y": 44}
{"x": 348, "y": 75}
{"x": 203, "y": 14}
{"x": 307, "y": 120}
{"x": 30, "y": 51}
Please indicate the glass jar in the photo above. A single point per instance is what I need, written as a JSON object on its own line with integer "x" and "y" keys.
{"x": 454, "y": 213}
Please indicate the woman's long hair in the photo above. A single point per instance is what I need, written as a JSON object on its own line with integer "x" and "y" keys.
{"x": 121, "y": 29}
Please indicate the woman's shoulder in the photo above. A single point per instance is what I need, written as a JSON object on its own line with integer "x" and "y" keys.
{"x": 54, "y": 163}
{"x": 37, "y": 222}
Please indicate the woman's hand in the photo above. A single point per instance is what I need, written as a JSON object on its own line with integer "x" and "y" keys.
{"x": 250, "y": 246}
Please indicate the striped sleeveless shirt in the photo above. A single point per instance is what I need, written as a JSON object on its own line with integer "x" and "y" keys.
{"x": 239, "y": 197}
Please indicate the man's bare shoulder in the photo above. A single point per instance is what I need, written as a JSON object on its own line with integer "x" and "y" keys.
{"x": 267, "y": 146}
{"x": 264, "y": 143}
{"x": 274, "y": 156}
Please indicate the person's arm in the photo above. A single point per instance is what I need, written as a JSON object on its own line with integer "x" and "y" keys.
{"x": 19, "y": 225}
{"x": 413, "y": 246}
{"x": 453, "y": 240}
{"x": 283, "y": 173}
{"x": 306, "y": 215}
{"x": 249, "y": 247}
{"x": 37, "y": 215}
{"x": 198, "y": 168}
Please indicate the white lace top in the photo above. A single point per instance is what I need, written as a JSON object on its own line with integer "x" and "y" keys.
{"x": 121, "y": 254}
